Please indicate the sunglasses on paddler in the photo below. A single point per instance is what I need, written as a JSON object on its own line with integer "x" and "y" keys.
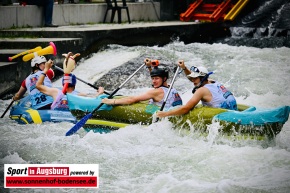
{"x": 194, "y": 69}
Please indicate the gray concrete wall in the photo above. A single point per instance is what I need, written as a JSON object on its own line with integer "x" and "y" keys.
{"x": 87, "y": 39}
{"x": 74, "y": 14}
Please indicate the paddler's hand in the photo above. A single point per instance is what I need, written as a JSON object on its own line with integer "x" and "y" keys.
{"x": 148, "y": 62}
{"x": 101, "y": 90}
{"x": 183, "y": 67}
{"x": 16, "y": 97}
{"x": 161, "y": 114}
{"x": 48, "y": 65}
{"x": 108, "y": 101}
{"x": 181, "y": 64}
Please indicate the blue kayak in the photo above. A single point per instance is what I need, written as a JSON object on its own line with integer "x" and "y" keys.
{"x": 256, "y": 116}
{"x": 24, "y": 114}
{"x": 247, "y": 120}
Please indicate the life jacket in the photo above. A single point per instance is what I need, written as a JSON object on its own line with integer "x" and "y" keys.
{"x": 37, "y": 99}
{"x": 173, "y": 99}
{"x": 221, "y": 97}
{"x": 61, "y": 102}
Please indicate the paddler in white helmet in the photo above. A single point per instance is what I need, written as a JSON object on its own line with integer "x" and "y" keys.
{"x": 156, "y": 96}
{"x": 38, "y": 99}
{"x": 211, "y": 93}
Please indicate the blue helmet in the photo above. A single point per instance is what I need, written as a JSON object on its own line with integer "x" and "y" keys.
{"x": 72, "y": 80}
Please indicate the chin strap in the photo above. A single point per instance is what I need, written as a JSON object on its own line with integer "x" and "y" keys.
{"x": 200, "y": 84}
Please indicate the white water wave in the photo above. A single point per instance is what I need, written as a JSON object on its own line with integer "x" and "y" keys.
{"x": 158, "y": 158}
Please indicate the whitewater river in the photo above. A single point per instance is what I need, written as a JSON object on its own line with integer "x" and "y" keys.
{"x": 158, "y": 158}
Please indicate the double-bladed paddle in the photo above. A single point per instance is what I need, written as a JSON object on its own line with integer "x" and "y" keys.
{"x": 168, "y": 92}
{"x": 79, "y": 124}
{"x": 7, "y": 108}
{"x": 58, "y": 68}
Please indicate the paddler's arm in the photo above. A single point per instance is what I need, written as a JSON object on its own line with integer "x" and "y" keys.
{"x": 184, "y": 108}
{"x": 131, "y": 99}
{"x": 39, "y": 84}
{"x": 183, "y": 67}
{"x": 20, "y": 92}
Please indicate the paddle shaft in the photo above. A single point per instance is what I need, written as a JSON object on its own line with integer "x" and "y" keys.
{"x": 115, "y": 91}
{"x": 79, "y": 124}
{"x": 7, "y": 108}
{"x": 58, "y": 68}
{"x": 168, "y": 92}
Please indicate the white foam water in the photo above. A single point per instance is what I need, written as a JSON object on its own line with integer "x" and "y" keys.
{"x": 158, "y": 158}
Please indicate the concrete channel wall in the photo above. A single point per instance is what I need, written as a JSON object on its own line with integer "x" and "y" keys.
{"x": 82, "y": 31}
{"x": 90, "y": 39}
{"x": 16, "y": 16}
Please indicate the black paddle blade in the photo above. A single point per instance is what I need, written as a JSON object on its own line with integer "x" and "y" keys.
{"x": 78, "y": 125}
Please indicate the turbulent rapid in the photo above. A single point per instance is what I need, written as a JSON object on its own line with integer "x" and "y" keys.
{"x": 158, "y": 157}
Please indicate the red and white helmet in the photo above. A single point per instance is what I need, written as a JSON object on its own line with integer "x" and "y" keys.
{"x": 38, "y": 60}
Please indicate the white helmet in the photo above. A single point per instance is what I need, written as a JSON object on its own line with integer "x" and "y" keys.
{"x": 197, "y": 71}
{"x": 38, "y": 60}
